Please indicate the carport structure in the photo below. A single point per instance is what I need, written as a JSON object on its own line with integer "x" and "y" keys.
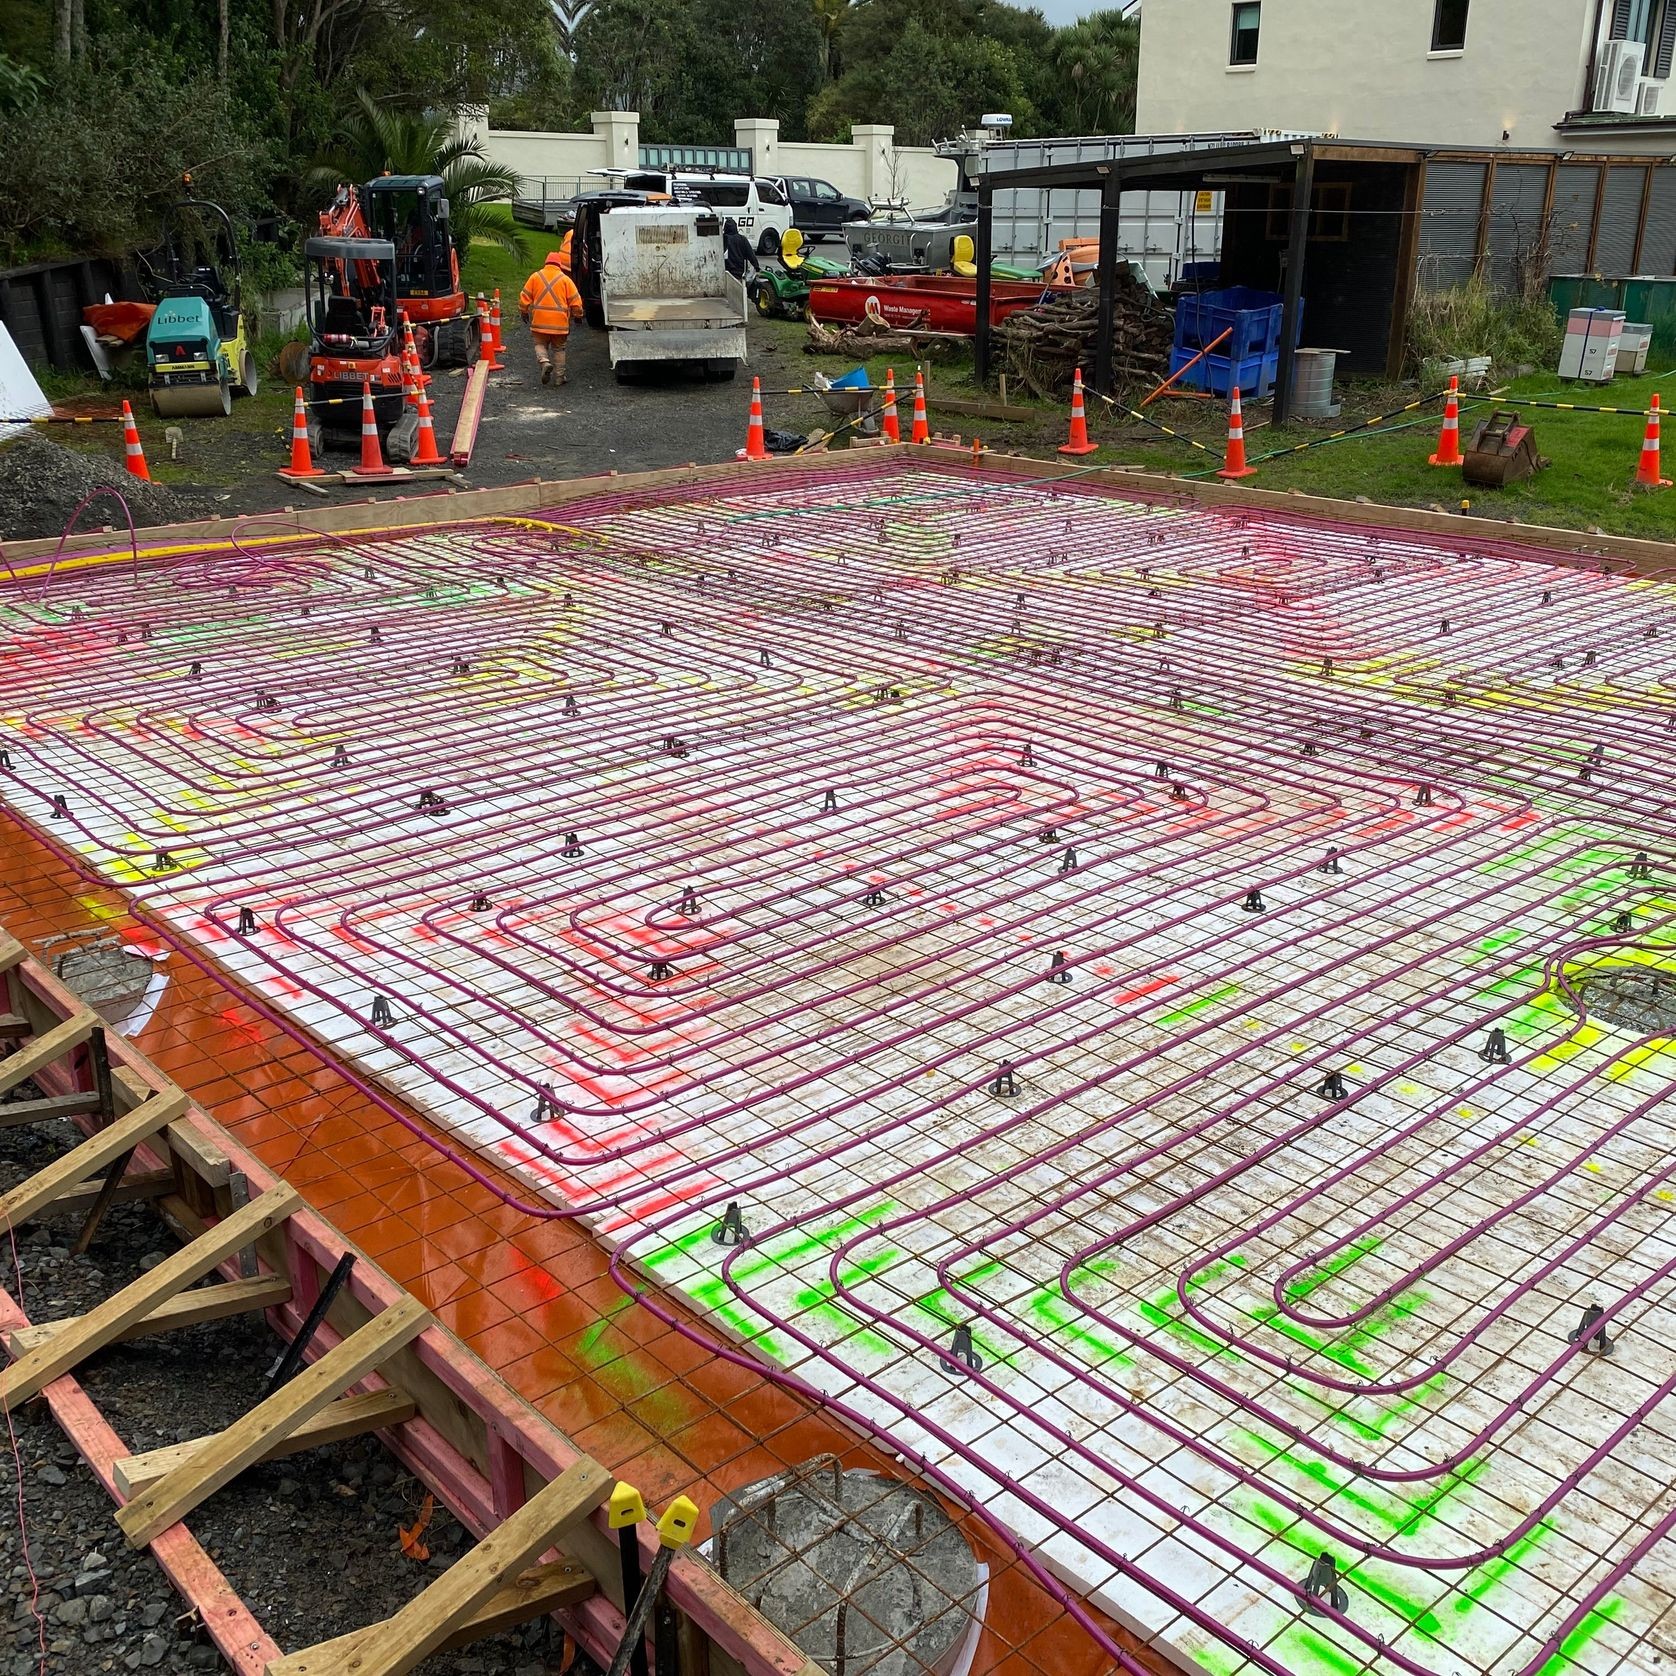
{"x": 1382, "y": 220}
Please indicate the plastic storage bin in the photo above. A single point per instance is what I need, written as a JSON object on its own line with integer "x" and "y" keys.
{"x": 1249, "y": 357}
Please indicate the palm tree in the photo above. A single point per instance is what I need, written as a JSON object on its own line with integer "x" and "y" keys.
{"x": 376, "y": 139}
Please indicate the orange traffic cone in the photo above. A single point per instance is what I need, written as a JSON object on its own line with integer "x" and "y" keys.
{"x": 135, "y": 460}
{"x": 888, "y": 425}
{"x": 1449, "y": 442}
{"x": 1234, "y": 465}
{"x": 1079, "y": 443}
{"x": 413, "y": 375}
{"x": 486, "y": 334}
{"x": 424, "y": 444}
{"x": 754, "y": 448}
{"x": 302, "y": 461}
{"x": 372, "y": 457}
{"x": 921, "y": 431}
{"x": 494, "y": 316}
{"x": 1647, "y": 473}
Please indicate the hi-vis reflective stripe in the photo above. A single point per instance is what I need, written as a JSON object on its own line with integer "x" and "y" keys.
{"x": 550, "y": 296}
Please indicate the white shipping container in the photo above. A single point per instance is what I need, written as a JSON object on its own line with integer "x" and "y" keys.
{"x": 1162, "y": 231}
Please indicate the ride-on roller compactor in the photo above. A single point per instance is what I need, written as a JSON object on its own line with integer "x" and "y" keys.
{"x": 198, "y": 347}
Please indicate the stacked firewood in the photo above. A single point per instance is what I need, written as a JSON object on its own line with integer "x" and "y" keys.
{"x": 1043, "y": 346}
{"x": 867, "y": 338}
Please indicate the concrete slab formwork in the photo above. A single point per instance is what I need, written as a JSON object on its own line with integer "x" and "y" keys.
{"x": 1095, "y": 989}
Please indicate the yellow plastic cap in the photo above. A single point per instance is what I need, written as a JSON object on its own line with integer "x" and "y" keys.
{"x": 626, "y": 1507}
{"x": 676, "y": 1527}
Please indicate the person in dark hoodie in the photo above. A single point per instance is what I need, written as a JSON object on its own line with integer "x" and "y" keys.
{"x": 736, "y": 250}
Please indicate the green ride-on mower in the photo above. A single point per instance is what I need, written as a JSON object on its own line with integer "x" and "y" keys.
{"x": 783, "y": 292}
{"x": 198, "y": 347}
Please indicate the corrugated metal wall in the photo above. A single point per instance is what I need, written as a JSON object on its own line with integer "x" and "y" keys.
{"x": 1576, "y": 186}
{"x": 1620, "y": 216}
{"x": 1658, "y": 243}
{"x": 1161, "y": 230}
{"x": 1595, "y": 224}
{"x": 1449, "y": 222}
{"x": 1513, "y": 237}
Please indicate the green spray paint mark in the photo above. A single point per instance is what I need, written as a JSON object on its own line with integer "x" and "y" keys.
{"x": 1192, "y": 1008}
{"x": 589, "y": 1341}
{"x": 1564, "y": 1660}
{"x": 1304, "y": 1651}
{"x": 1218, "y": 1660}
{"x": 1158, "y": 1312}
{"x": 1052, "y": 1311}
{"x": 1322, "y": 1273}
{"x": 1269, "y": 1316}
{"x": 1372, "y": 1431}
{"x": 1491, "y": 1576}
{"x": 1408, "y": 1513}
{"x": 699, "y": 1239}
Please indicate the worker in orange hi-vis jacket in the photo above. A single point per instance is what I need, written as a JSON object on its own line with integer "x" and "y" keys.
{"x": 547, "y": 304}
{"x": 564, "y": 250}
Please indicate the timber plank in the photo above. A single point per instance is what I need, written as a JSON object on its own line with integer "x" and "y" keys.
{"x": 14, "y": 1113}
{"x": 399, "y": 1643}
{"x": 105, "y": 1322}
{"x": 40, "y": 1051}
{"x": 219, "y": 1459}
{"x": 99, "y": 1150}
{"x": 184, "y": 1309}
{"x": 532, "y": 1594}
{"x": 11, "y": 952}
{"x": 364, "y": 1411}
{"x": 142, "y": 1184}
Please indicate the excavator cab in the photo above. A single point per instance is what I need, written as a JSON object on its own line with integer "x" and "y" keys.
{"x": 411, "y": 212}
{"x": 198, "y": 349}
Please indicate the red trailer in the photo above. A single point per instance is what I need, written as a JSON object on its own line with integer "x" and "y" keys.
{"x": 921, "y": 302}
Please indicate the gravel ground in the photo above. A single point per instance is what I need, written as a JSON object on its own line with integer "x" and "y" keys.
{"x": 311, "y": 1543}
{"x": 41, "y": 482}
{"x": 592, "y": 424}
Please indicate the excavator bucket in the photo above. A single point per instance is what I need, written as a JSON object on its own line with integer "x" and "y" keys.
{"x": 1502, "y": 451}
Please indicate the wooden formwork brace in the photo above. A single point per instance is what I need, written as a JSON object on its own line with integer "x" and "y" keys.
{"x": 504, "y": 1469}
{"x": 215, "y": 1461}
{"x": 464, "y": 1590}
{"x": 80, "y": 1338}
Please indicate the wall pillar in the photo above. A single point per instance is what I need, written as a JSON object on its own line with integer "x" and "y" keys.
{"x": 759, "y": 135}
{"x": 876, "y": 141}
{"x": 618, "y": 133}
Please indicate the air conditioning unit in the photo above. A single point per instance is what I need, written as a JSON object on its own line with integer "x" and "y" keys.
{"x": 1650, "y": 100}
{"x": 1618, "y": 80}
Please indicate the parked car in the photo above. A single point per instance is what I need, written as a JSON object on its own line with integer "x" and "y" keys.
{"x": 756, "y": 203}
{"x": 818, "y": 208}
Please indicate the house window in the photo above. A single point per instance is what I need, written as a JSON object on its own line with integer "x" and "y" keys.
{"x": 1653, "y": 24}
{"x": 1242, "y": 47}
{"x": 1449, "y": 25}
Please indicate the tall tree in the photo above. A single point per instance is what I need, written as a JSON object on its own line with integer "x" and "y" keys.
{"x": 1095, "y": 64}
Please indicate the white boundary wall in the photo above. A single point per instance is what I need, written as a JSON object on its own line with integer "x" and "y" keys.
{"x": 871, "y": 166}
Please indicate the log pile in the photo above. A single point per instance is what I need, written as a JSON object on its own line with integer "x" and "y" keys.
{"x": 867, "y": 338}
{"x": 1043, "y": 346}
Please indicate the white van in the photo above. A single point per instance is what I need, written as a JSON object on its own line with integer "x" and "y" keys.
{"x": 758, "y": 205}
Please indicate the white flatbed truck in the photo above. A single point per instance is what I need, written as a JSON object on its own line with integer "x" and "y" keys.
{"x": 665, "y": 291}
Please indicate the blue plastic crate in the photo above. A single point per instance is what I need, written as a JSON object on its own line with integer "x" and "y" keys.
{"x": 1255, "y": 375}
{"x": 1252, "y": 316}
